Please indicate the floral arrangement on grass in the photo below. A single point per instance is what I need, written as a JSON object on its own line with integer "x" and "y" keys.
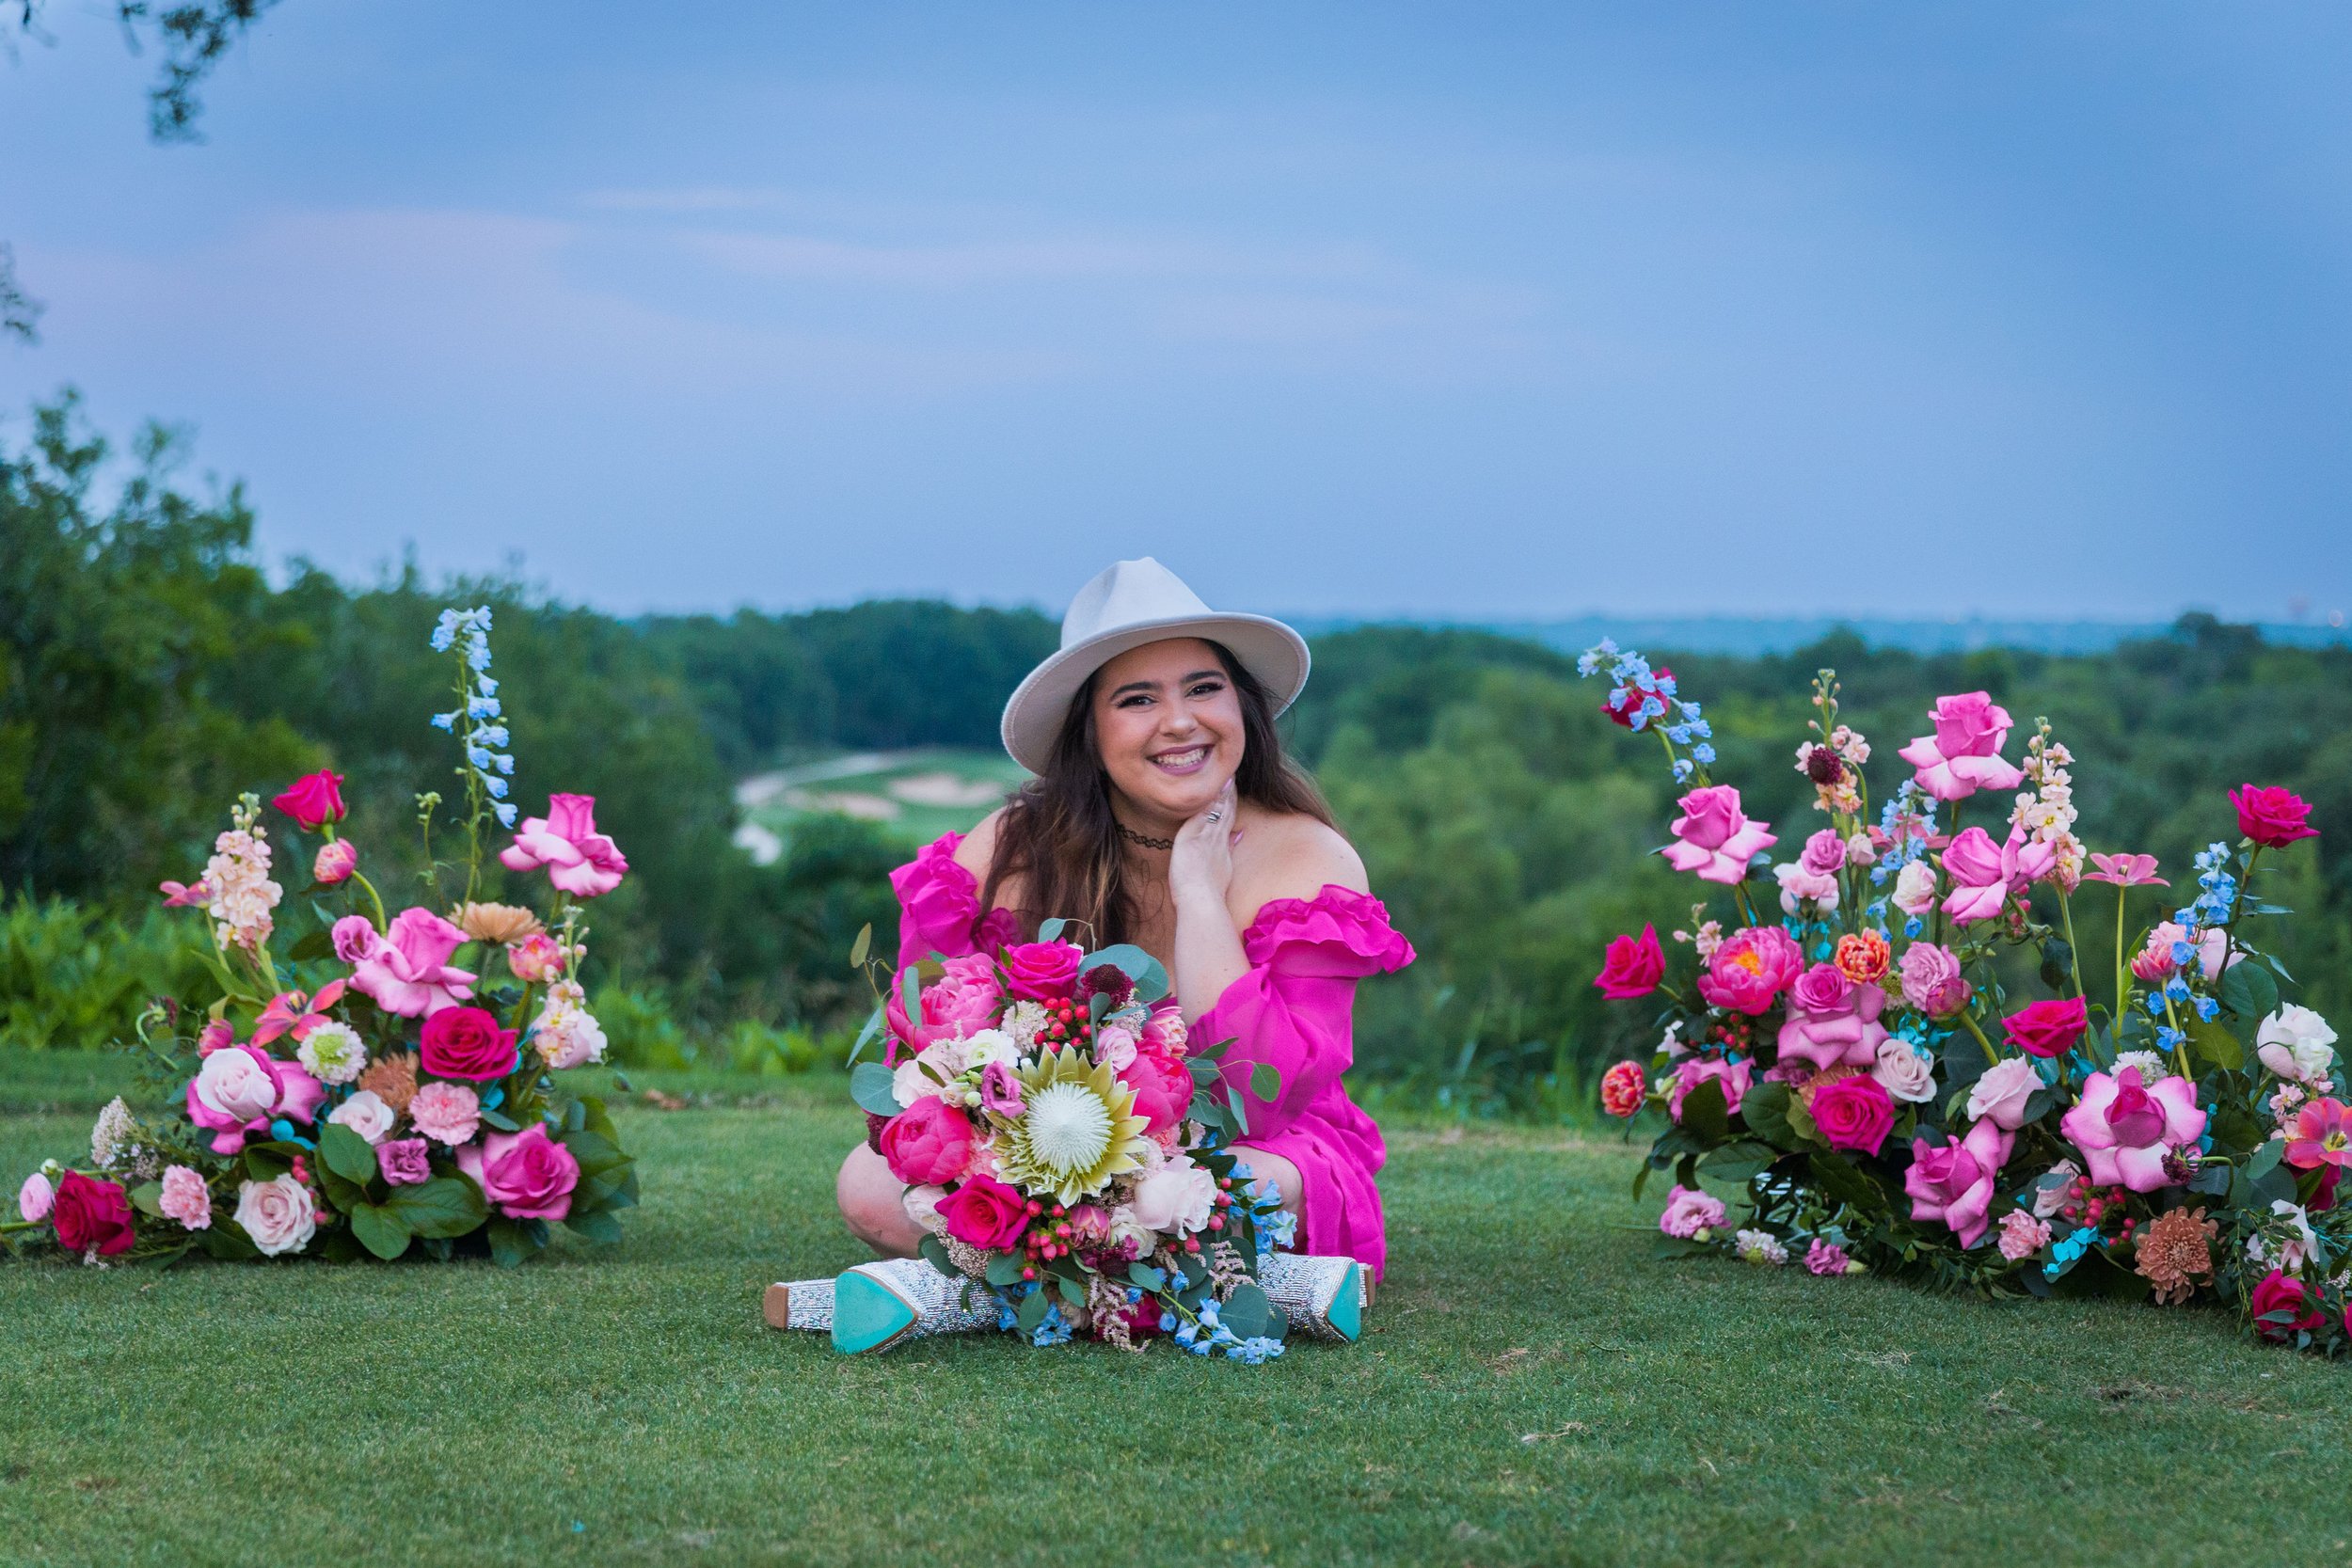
{"x": 1855, "y": 1046}
{"x": 1064, "y": 1147}
{"x": 364, "y": 1087}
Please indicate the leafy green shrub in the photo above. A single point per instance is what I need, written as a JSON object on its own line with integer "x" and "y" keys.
{"x": 73, "y": 978}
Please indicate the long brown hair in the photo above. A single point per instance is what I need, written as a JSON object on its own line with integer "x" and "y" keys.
{"x": 1058, "y": 836}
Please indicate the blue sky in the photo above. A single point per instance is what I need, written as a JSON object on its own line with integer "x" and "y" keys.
{"x": 1464, "y": 310}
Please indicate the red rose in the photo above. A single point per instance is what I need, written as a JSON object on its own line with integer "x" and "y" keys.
{"x": 1854, "y": 1113}
{"x": 2278, "y": 1293}
{"x": 2271, "y": 816}
{"x": 1039, "y": 970}
{"x": 467, "y": 1043}
{"x": 1631, "y": 967}
{"x": 986, "y": 1214}
{"x": 2047, "y": 1028}
{"x": 313, "y": 798}
{"x": 928, "y": 1142}
{"x": 91, "y": 1214}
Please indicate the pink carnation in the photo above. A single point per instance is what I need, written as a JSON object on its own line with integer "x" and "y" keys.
{"x": 2022, "y": 1235}
{"x": 449, "y": 1113}
{"x": 1715, "y": 838}
{"x": 185, "y": 1197}
{"x": 1825, "y": 1257}
{"x": 1689, "y": 1212}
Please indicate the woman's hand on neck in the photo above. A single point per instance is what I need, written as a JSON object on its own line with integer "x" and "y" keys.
{"x": 1209, "y": 955}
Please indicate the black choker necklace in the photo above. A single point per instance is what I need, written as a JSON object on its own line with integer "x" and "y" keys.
{"x": 1145, "y": 839}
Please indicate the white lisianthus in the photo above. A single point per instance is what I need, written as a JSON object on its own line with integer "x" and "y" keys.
{"x": 2297, "y": 1044}
{"x": 1176, "y": 1198}
{"x": 332, "y": 1052}
{"x": 989, "y": 1045}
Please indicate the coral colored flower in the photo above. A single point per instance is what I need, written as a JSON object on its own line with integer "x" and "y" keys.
{"x": 446, "y": 1113}
{"x": 1623, "y": 1087}
{"x": 1689, "y": 1211}
{"x": 986, "y": 1214}
{"x": 537, "y": 959}
{"x": 337, "y": 859}
{"x": 313, "y": 798}
{"x": 1632, "y": 966}
{"x": 525, "y": 1175}
{"x": 1862, "y": 957}
{"x": 291, "y": 1013}
{"x": 1854, "y": 1113}
{"x": 1832, "y": 1021}
{"x": 1754, "y": 965}
{"x": 2320, "y": 1133}
{"x": 1964, "y": 756}
{"x": 1736, "y": 1077}
{"x": 1985, "y": 875}
{"x": 409, "y": 973}
{"x": 1715, "y": 838}
{"x": 185, "y": 1199}
{"x": 580, "y": 860}
{"x": 2299, "y": 1313}
{"x": 2126, "y": 1129}
{"x": 2047, "y": 1028}
{"x": 1932, "y": 980}
{"x": 1953, "y": 1182}
{"x": 92, "y": 1215}
{"x": 1827, "y": 1258}
{"x": 2176, "y": 1254}
{"x": 2271, "y": 816}
{"x": 2126, "y": 871}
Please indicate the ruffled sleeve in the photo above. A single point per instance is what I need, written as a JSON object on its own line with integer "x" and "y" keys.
{"x": 1293, "y": 1010}
{"x": 938, "y": 906}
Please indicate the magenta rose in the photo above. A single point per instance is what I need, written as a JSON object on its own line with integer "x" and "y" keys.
{"x": 1714, "y": 838}
{"x": 1735, "y": 1077}
{"x": 1632, "y": 966}
{"x": 1854, "y": 1113}
{"x": 1964, "y": 754}
{"x": 960, "y": 1003}
{"x": 1164, "y": 1088}
{"x": 986, "y": 1214}
{"x": 525, "y": 1175}
{"x": 1754, "y": 965}
{"x": 91, "y": 1214}
{"x": 929, "y": 1143}
{"x": 1954, "y": 1181}
{"x": 1039, "y": 970}
{"x": 2271, "y": 816}
{"x": 403, "y": 1160}
{"x": 2278, "y": 1293}
{"x": 313, "y": 798}
{"x": 2047, "y": 1028}
{"x": 467, "y": 1043}
{"x": 1831, "y": 1020}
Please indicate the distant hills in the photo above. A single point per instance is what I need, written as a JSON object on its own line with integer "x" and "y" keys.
{"x": 1752, "y": 636}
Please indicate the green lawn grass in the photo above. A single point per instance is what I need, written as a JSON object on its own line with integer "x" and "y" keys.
{"x": 1531, "y": 1387}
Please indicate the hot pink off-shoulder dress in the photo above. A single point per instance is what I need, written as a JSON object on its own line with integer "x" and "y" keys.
{"x": 1292, "y": 1010}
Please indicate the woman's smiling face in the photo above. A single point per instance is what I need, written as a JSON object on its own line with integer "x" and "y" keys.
{"x": 1167, "y": 725}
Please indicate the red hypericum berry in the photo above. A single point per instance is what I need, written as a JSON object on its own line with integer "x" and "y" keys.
{"x": 1028, "y": 1273}
{"x": 1034, "y": 1208}
{"x": 1057, "y": 1211}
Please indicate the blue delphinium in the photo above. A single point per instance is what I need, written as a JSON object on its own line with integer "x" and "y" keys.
{"x": 479, "y": 718}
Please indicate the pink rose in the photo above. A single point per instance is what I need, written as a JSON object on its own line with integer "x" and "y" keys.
{"x": 467, "y": 1043}
{"x": 1754, "y": 965}
{"x": 580, "y": 860}
{"x": 36, "y": 1198}
{"x": 1631, "y": 966}
{"x": 1833, "y": 1022}
{"x": 1932, "y": 980}
{"x": 337, "y": 859}
{"x": 1040, "y": 970}
{"x": 525, "y": 1175}
{"x": 185, "y": 1199}
{"x": 1716, "y": 839}
{"x": 1798, "y": 885}
{"x": 1824, "y": 852}
{"x": 280, "y": 1214}
{"x": 354, "y": 938}
{"x": 1114, "y": 1047}
{"x": 1689, "y": 1212}
{"x": 1953, "y": 1182}
{"x": 446, "y": 1113}
{"x": 537, "y": 959}
{"x": 986, "y": 1214}
{"x": 2126, "y": 1129}
{"x": 312, "y": 799}
{"x": 1736, "y": 1078}
{"x": 1854, "y": 1113}
{"x": 240, "y": 1091}
{"x": 960, "y": 1003}
{"x": 1175, "y": 1199}
{"x": 2272, "y": 816}
{"x": 409, "y": 973}
{"x": 404, "y": 1161}
{"x": 929, "y": 1143}
{"x": 1985, "y": 875}
{"x": 2001, "y": 1093}
{"x": 2047, "y": 1028}
{"x": 1964, "y": 754}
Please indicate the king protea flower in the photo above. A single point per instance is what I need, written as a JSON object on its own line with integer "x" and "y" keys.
{"x": 1077, "y": 1131}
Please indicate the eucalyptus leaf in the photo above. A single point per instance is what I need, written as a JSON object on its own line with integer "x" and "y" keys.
{"x": 1004, "y": 1268}
{"x": 1265, "y": 1079}
{"x": 1031, "y": 1312}
{"x": 1248, "y": 1312}
{"x": 1051, "y": 928}
{"x": 870, "y": 1086}
{"x": 859, "y": 948}
{"x": 865, "y": 1035}
{"x": 934, "y": 1252}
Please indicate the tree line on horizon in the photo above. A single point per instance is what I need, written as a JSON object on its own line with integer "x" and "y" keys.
{"x": 149, "y": 671}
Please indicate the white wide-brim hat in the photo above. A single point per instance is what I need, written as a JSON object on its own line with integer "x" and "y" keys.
{"x": 1132, "y": 603}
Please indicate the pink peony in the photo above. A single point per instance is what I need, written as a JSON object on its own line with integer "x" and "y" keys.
{"x": 447, "y": 1112}
{"x": 929, "y": 1143}
{"x": 1689, "y": 1212}
{"x": 525, "y": 1175}
{"x": 1985, "y": 875}
{"x": 186, "y": 1198}
{"x": 1953, "y": 1182}
{"x": 986, "y": 1214}
{"x": 537, "y": 959}
{"x": 2022, "y": 1235}
{"x": 960, "y": 1003}
{"x": 1163, "y": 1087}
{"x": 2127, "y": 1131}
{"x": 1832, "y": 1021}
{"x": 1736, "y": 1078}
{"x": 1716, "y": 839}
{"x": 1754, "y": 965}
{"x": 337, "y": 859}
{"x": 1826, "y": 1258}
{"x": 1854, "y": 1113}
{"x": 1164, "y": 1029}
{"x": 216, "y": 1035}
{"x": 408, "y": 974}
{"x": 580, "y": 860}
{"x": 1964, "y": 756}
{"x": 240, "y": 1090}
{"x": 1042, "y": 970}
{"x": 2002, "y": 1091}
{"x": 2272, "y": 816}
{"x": 1932, "y": 980}
{"x": 404, "y": 1161}
{"x": 1631, "y": 966}
{"x": 36, "y": 1198}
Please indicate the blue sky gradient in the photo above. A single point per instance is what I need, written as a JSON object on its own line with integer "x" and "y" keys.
{"x": 1481, "y": 311}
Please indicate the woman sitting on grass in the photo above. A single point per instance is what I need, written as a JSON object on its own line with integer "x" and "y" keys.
{"x": 1164, "y": 814}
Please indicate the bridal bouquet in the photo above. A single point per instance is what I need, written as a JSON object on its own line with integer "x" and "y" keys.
{"x": 365, "y": 1087}
{"x": 1064, "y": 1148}
{"x": 1858, "y": 1047}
